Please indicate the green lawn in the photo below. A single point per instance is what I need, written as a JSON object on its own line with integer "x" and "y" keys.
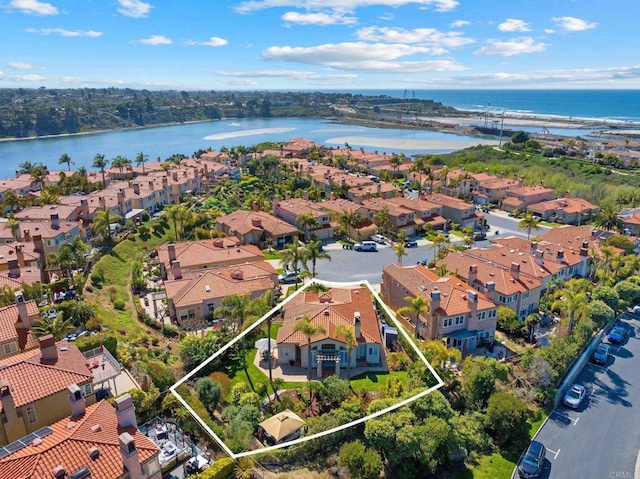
{"x": 274, "y": 254}
{"x": 457, "y": 233}
{"x": 373, "y": 381}
{"x": 114, "y": 268}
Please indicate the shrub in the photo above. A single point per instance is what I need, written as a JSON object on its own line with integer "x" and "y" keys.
{"x": 221, "y": 469}
{"x": 119, "y": 304}
{"x": 161, "y": 375}
{"x": 237, "y": 391}
{"x": 209, "y": 392}
{"x": 94, "y": 324}
{"x": 398, "y": 361}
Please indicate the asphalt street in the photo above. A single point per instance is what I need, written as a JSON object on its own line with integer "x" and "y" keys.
{"x": 601, "y": 439}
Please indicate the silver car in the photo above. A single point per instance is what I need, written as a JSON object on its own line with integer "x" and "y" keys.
{"x": 574, "y": 396}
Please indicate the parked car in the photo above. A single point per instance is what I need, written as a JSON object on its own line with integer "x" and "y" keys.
{"x": 378, "y": 239}
{"x": 52, "y": 313}
{"x": 366, "y": 246}
{"x": 636, "y": 309}
{"x": 410, "y": 244}
{"x": 601, "y": 355}
{"x": 574, "y": 396}
{"x": 479, "y": 235}
{"x": 531, "y": 463}
{"x": 617, "y": 335}
{"x": 288, "y": 277}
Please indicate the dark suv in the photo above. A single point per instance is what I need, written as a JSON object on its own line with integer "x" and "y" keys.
{"x": 531, "y": 462}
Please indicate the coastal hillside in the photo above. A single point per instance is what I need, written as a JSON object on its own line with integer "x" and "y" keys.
{"x": 27, "y": 113}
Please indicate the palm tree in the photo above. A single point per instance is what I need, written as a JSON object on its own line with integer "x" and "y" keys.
{"x": 529, "y": 222}
{"x": 102, "y": 223}
{"x": 11, "y": 200}
{"x": 293, "y": 254}
{"x": 382, "y": 219}
{"x": 609, "y": 219}
{"x": 349, "y": 220}
{"x": 65, "y": 159}
{"x": 100, "y": 163}
{"x": 141, "y": 159}
{"x": 400, "y": 251}
{"x": 350, "y": 342}
{"x": 237, "y": 307}
{"x": 179, "y": 215}
{"x": 572, "y": 303}
{"x": 313, "y": 252}
{"x": 25, "y": 167}
{"x": 416, "y": 306}
{"x": 39, "y": 175}
{"x": 14, "y": 225}
{"x": 307, "y": 328}
{"x": 55, "y": 326}
{"x": 307, "y": 221}
{"x": 120, "y": 162}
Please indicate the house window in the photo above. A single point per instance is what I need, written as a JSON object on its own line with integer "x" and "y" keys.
{"x": 525, "y": 295}
{"x": 493, "y": 313}
{"x": 211, "y": 308}
{"x": 447, "y": 322}
{"x": 373, "y": 351}
{"x": 31, "y": 414}
{"x": 482, "y": 315}
{"x": 10, "y": 348}
{"x": 502, "y": 299}
{"x": 459, "y": 320}
{"x": 87, "y": 390}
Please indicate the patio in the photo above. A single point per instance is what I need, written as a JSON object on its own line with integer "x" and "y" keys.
{"x": 107, "y": 372}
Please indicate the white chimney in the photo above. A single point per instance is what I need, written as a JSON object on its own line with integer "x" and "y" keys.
{"x": 130, "y": 458}
{"x": 126, "y": 411}
{"x": 78, "y": 404}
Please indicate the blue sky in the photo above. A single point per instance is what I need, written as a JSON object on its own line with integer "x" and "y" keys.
{"x": 319, "y": 44}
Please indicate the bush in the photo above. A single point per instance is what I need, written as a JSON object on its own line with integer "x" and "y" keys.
{"x": 108, "y": 341}
{"x": 237, "y": 391}
{"x": 161, "y": 375}
{"x": 119, "y": 304}
{"x": 209, "y": 392}
{"x": 398, "y": 361}
{"x": 94, "y": 324}
{"x": 221, "y": 469}
{"x": 224, "y": 381}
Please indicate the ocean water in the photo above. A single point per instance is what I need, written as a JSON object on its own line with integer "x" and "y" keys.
{"x": 622, "y": 105}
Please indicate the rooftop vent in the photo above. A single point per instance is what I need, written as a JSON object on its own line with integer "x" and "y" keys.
{"x": 59, "y": 472}
{"x": 70, "y": 425}
{"x": 82, "y": 473}
{"x": 36, "y": 442}
{"x": 93, "y": 452}
{"x": 96, "y": 428}
{"x": 207, "y": 288}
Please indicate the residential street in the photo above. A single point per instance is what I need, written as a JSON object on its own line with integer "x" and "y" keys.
{"x": 602, "y": 438}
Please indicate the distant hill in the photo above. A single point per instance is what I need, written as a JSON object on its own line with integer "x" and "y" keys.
{"x": 28, "y": 113}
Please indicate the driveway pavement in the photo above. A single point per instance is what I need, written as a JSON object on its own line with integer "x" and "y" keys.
{"x": 602, "y": 438}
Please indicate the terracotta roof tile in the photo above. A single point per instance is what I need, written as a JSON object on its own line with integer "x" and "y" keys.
{"x": 9, "y": 316}
{"x": 67, "y": 447}
{"x": 334, "y": 308}
{"x": 244, "y": 222}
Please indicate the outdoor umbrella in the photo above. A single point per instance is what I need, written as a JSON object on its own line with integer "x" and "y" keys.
{"x": 265, "y": 343}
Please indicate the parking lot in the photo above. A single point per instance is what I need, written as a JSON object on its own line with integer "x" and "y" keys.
{"x": 601, "y": 438}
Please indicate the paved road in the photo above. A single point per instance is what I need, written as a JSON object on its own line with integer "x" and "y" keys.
{"x": 507, "y": 226}
{"x": 601, "y": 440}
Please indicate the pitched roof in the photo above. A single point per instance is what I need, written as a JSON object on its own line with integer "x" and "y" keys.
{"x": 243, "y": 222}
{"x": 238, "y": 279}
{"x": 334, "y": 308}
{"x": 212, "y": 252}
{"x": 9, "y": 316}
{"x": 568, "y": 205}
{"x": 420, "y": 281}
{"x": 32, "y": 378}
{"x": 506, "y": 282}
{"x": 68, "y": 446}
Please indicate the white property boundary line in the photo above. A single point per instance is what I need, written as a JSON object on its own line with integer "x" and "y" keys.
{"x": 390, "y": 315}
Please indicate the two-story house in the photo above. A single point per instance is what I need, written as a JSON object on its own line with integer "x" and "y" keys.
{"x": 457, "y": 314}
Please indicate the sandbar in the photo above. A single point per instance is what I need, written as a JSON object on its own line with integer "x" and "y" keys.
{"x": 256, "y": 131}
{"x": 411, "y": 144}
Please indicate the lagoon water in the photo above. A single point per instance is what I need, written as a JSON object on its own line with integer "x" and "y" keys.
{"x": 163, "y": 142}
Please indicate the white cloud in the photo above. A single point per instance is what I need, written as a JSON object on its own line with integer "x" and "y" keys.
{"x": 514, "y": 25}
{"x": 386, "y": 16}
{"x": 573, "y": 24}
{"x": 436, "y": 39}
{"x": 134, "y": 8}
{"x": 341, "y": 5}
{"x": 31, "y": 78}
{"x": 156, "y": 40}
{"x": 511, "y": 47}
{"x": 212, "y": 42}
{"x": 294, "y": 74}
{"x": 319, "y": 19}
{"x": 360, "y": 56}
{"x": 66, "y": 33}
{"x": 20, "y": 66}
{"x": 34, "y": 7}
{"x": 459, "y": 24}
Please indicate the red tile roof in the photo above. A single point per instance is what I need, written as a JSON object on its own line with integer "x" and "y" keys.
{"x": 334, "y": 308}
{"x": 68, "y": 447}
{"x": 9, "y": 316}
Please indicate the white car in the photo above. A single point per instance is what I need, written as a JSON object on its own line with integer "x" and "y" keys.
{"x": 636, "y": 309}
{"x": 574, "y": 396}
